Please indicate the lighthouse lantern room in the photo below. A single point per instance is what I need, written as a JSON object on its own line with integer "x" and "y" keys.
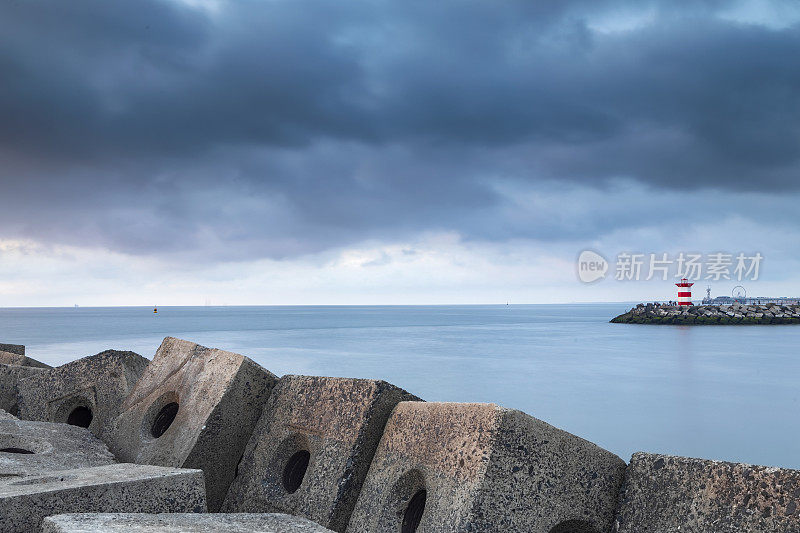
{"x": 684, "y": 292}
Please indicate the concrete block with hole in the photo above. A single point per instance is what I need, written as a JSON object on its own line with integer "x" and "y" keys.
{"x": 18, "y": 349}
{"x": 449, "y": 467}
{"x": 10, "y": 358}
{"x": 24, "y": 503}
{"x": 179, "y": 522}
{"x": 31, "y": 448}
{"x": 668, "y": 494}
{"x": 194, "y": 407}
{"x": 311, "y": 449}
{"x": 10, "y": 376}
{"x": 87, "y": 392}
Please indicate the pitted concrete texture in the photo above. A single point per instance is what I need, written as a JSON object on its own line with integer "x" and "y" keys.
{"x": 101, "y": 489}
{"x": 10, "y": 358}
{"x": 87, "y": 392}
{"x": 179, "y": 523}
{"x": 446, "y": 467}
{"x": 4, "y": 415}
{"x": 668, "y": 494}
{"x": 33, "y": 448}
{"x": 18, "y": 349}
{"x": 10, "y": 376}
{"x": 194, "y": 407}
{"x": 336, "y": 423}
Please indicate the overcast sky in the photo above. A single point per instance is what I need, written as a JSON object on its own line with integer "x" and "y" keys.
{"x": 373, "y": 151}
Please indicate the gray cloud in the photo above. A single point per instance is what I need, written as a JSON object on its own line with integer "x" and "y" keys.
{"x": 273, "y": 129}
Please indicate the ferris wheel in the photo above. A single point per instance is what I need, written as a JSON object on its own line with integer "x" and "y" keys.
{"x": 739, "y": 293}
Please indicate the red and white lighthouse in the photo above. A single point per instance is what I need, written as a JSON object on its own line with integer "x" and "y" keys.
{"x": 684, "y": 292}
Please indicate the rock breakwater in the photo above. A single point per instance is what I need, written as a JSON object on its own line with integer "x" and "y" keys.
{"x": 733, "y": 314}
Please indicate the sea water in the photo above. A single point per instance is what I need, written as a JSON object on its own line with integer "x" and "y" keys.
{"x": 721, "y": 392}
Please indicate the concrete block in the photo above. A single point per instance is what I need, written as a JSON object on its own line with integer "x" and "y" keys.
{"x": 18, "y": 349}
{"x": 32, "y": 448}
{"x": 194, "y": 407}
{"x": 444, "y": 467}
{"x": 10, "y": 376}
{"x": 668, "y": 494}
{"x": 311, "y": 449}
{"x": 86, "y": 393}
{"x": 24, "y": 503}
{"x": 10, "y": 358}
{"x": 179, "y": 523}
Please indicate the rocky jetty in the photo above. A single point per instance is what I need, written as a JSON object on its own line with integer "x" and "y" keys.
{"x": 733, "y": 314}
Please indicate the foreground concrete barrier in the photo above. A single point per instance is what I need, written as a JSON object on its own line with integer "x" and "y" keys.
{"x": 10, "y": 376}
{"x": 104, "y": 489}
{"x": 443, "y": 467}
{"x": 184, "y": 522}
{"x": 86, "y": 393}
{"x": 10, "y": 358}
{"x": 32, "y": 448}
{"x": 18, "y": 349}
{"x": 666, "y": 494}
{"x": 193, "y": 407}
{"x": 311, "y": 449}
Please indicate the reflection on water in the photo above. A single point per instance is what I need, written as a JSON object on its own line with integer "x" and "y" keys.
{"x": 723, "y": 392}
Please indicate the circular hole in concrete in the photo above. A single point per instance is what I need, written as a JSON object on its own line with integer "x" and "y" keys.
{"x": 295, "y": 470}
{"x": 574, "y": 526}
{"x": 413, "y": 514}
{"x": 16, "y": 450}
{"x": 80, "y": 416}
{"x": 164, "y": 419}
{"x": 14, "y": 410}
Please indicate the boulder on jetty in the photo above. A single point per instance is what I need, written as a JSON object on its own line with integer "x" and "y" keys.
{"x": 664, "y": 493}
{"x": 10, "y": 376}
{"x": 735, "y": 314}
{"x": 18, "y": 349}
{"x": 11, "y": 358}
{"x": 117, "y": 488}
{"x": 311, "y": 449}
{"x": 87, "y": 392}
{"x": 480, "y": 467}
{"x": 194, "y": 407}
{"x": 196, "y": 523}
{"x": 31, "y": 448}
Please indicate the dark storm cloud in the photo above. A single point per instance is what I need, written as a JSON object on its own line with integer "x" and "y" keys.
{"x": 285, "y": 127}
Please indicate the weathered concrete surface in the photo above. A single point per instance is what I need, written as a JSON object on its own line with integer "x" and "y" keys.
{"x": 105, "y": 489}
{"x": 193, "y": 407}
{"x": 32, "y": 448}
{"x": 483, "y": 468}
{"x": 179, "y": 523}
{"x": 10, "y": 375}
{"x": 667, "y": 494}
{"x": 87, "y": 392}
{"x": 338, "y": 423}
{"x": 18, "y": 349}
{"x": 4, "y": 415}
{"x": 10, "y": 358}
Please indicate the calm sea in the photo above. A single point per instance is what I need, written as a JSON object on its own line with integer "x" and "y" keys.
{"x": 722, "y": 392}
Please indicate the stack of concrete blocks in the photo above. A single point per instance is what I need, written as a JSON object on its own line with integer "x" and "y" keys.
{"x": 310, "y": 452}
{"x": 185, "y": 522}
{"x": 49, "y": 468}
{"x": 668, "y": 494}
{"x": 193, "y": 407}
{"x": 86, "y": 393}
{"x": 15, "y": 366}
{"x": 482, "y": 468}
